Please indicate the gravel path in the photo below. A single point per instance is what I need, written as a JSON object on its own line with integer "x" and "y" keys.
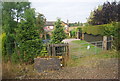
{"x": 104, "y": 69}
{"x": 69, "y": 40}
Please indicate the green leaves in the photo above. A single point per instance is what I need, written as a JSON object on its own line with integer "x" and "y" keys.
{"x": 30, "y": 49}
{"x": 27, "y": 37}
{"x": 105, "y": 14}
{"x": 97, "y": 29}
{"x": 58, "y": 34}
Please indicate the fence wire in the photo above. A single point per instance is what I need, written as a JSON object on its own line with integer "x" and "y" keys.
{"x": 87, "y": 49}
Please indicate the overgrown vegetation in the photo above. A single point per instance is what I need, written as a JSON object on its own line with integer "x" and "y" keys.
{"x": 21, "y": 41}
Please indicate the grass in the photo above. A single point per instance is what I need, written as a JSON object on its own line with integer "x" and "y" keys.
{"x": 15, "y": 71}
{"x": 79, "y": 55}
{"x": 79, "y": 48}
{"x": 90, "y": 60}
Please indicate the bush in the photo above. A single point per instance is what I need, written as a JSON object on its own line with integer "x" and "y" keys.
{"x": 73, "y": 33}
{"x": 44, "y": 51}
{"x": 98, "y": 29}
{"x": 3, "y": 38}
{"x": 30, "y": 49}
{"x": 15, "y": 58}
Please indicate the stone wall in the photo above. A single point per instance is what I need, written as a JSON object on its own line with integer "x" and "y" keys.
{"x": 46, "y": 64}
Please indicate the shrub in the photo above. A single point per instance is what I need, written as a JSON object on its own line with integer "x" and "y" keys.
{"x": 30, "y": 49}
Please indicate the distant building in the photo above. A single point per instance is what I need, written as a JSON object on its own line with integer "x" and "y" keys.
{"x": 49, "y": 26}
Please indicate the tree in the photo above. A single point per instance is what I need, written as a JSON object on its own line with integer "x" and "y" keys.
{"x": 27, "y": 37}
{"x": 58, "y": 34}
{"x": 107, "y": 13}
{"x": 40, "y": 22}
{"x": 11, "y": 11}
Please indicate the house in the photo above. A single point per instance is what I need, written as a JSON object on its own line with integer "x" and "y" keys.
{"x": 49, "y": 27}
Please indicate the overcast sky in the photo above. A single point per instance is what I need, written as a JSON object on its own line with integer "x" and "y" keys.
{"x": 73, "y": 10}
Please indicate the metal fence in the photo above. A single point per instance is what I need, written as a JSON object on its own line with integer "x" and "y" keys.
{"x": 87, "y": 49}
{"x": 91, "y": 48}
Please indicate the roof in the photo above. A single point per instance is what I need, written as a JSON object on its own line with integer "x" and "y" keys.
{"x": 51, "y": 23}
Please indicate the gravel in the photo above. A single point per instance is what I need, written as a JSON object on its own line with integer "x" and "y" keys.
{"x": 105, "y": 69}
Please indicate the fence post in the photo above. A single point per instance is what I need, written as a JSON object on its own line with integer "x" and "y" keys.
{"x": 69, "y": 34}
{"x": 78, "y": 35}
{"x": 53, "y": 50}
{"x": 67, "y": 51}
{"x": 49, "y": 50}
{"x": 95, "y": 47}
{"x": 105, "y": 42}
{"x": 82, "y": 36}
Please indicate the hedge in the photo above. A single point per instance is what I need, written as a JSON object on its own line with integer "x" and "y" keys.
{"x": 97, "y": 29}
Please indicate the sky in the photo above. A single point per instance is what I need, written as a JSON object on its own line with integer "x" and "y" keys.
{"x": 72, "y": 10}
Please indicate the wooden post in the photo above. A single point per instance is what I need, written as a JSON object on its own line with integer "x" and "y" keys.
{"x": 105, "y": 42}
{"x": 96, "y": 48}
{"x": 68, "y": 51}
{"x": 53, "y": 50}
{"x": 78, "y": 35}
{"x": 82, "y": 36}
{"x": 69, "y": 34}
{"x": 49, "y": 50}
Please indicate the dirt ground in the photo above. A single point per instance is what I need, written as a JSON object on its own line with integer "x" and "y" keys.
{"x": 104, "y": 69}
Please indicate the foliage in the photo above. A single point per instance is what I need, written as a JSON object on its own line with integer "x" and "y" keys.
{"x": 21, "y": 27}
{"x": 73, "y": 33}
{"x": 106, "y": 29}
{"x": 40, "y": 22}
{"x": 105, "y": 14}
{"x": 27, "y": 37}
{"x": 76, "y": 24}
{"x": 116, "y": 36}
{"x": 2, "y": 37}
{"x": 44, "y": 51}
{"x": 58, "y": 34}
{"x": 98, "y": 29}
{"x": 30, "y": 49}
{"x": 15, "y": 58}
{"x": 12, "y": 12}
{"x": 90, "y": 18}
{"x": 79, "y": 29}
{"x": 114, "y": 31}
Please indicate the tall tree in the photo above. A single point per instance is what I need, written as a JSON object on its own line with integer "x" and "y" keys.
{"x": 11, "y": 13}
{"x": 40, "y": 22}
{"x": 107, "y": 13}
{"x": 58, "y": 34}
{"x": 27, "y": 37}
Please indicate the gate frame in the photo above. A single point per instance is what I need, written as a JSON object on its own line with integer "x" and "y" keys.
{"x": 52, "y": 52}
